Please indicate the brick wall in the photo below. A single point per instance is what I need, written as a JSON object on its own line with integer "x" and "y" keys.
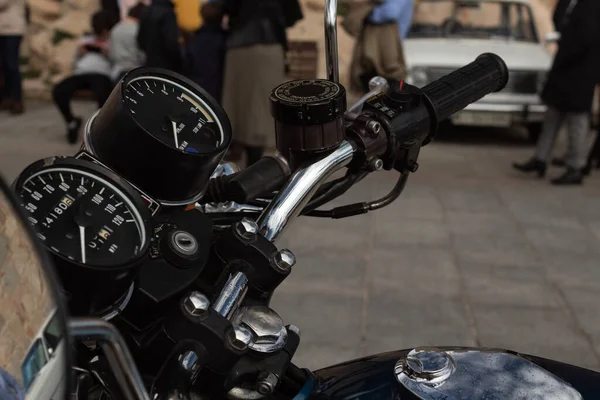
{"x": 25, "y": 300}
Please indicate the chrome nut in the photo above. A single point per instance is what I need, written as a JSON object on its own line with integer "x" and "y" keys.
{"x": 266, "y": 326}
{"x": 196, "y": 304}
{"x": 246, "y": 228}
{"x": 240, "y": 338}
{"x": 284, "y": 260}
{"x": 267, "y": 383}
{"x": 189, "y": 361}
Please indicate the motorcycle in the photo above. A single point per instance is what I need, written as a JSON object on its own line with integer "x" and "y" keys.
{"x": 146, "y": 265}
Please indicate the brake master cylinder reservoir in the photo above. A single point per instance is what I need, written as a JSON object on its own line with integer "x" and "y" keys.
{"x": 309, "y": 117}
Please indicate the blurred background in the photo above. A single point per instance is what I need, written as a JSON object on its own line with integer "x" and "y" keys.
{"x": 472, "y": 254}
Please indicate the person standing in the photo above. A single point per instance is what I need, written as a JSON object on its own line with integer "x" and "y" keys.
{"x": 113, "y": 11}
{"x": 158, "y": 36}
{"x": 398, "y": 11}
{"x": 569, "y": 92}
{"x": 562, "y": 12}
{"x": 123, "y": 51}
{"x": 188, "y": 15}
{"x": 380, "y": 30}
{"x": 12, "y": 29}
{"x": 205, "y": 53}
{"x": 255, "y": 65}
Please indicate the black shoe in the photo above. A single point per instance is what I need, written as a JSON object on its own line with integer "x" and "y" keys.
{"x": 533, "y": 165}
{"x": 587, "y": 169}
{"x": 73, "y": 130}
{"x": 571, "y": 176}
{"x": 558, "y": 162}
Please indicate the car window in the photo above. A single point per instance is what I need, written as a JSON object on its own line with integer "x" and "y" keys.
{"x": 33, "y": 363}
{"x": 521, "y": 22}
{"x": 473, "y": 19}
{"x": 53, "y": 334}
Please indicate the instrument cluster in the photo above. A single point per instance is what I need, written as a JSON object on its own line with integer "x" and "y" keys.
{"x": 149, "y": 150}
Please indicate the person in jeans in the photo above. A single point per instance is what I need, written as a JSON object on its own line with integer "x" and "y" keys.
{"x": 12, "y": 28}
{"x": 124, "y": 53}
{"x": 92, "y": 71}
{"x": 9, "y": 387}
{"x": 569, "y": 92}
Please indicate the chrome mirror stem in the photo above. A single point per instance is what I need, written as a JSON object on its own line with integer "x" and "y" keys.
{"x": 116, "y": 351}
{"x": 331, "y": 43}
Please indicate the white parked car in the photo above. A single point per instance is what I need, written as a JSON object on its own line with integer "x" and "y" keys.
{"x": 43, "y": 369}
{"x": 447, "y": 34}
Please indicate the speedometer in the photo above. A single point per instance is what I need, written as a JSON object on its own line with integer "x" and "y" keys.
{"x": 92, "y": 221}
{"x": 83, "y": 217}
{"x": 162, "y": 132}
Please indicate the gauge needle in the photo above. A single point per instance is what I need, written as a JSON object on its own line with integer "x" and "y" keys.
{"x": 82, "y": 240}
{"x": 174, "y": 124}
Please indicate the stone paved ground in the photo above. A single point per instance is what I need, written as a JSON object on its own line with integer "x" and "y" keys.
{"x": 472, "y": 254}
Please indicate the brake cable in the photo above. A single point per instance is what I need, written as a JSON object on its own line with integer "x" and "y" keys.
{"x": 363, "y": 207}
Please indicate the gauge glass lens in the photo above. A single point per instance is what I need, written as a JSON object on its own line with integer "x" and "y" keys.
{"x": 173, "y": 114}
{"x": 83, "y": 217}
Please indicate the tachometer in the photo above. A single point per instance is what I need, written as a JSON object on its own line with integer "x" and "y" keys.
{"x": 92, "y": 221}
{"x": 185, "y": 121}
{"x": 162, "y": 132}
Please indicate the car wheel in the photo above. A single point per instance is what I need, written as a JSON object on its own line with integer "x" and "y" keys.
{"x": 534, "y": 131}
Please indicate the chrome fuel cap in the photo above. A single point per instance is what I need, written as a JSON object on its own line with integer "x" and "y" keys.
{"x": 428, "y": 366}
{"x": 465, "y": 374}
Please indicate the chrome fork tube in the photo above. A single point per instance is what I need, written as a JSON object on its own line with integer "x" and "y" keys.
{"x": 298, "y": 191}
{"x": 116, "y": 352}
{"x": 331, "y": 44}
{"x": 231, "y": 295}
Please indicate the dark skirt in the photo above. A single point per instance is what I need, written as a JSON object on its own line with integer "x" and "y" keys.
{"x": 250, "y": 74}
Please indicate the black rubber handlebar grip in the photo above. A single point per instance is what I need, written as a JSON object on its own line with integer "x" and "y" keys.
{"x": 453, "y": 92}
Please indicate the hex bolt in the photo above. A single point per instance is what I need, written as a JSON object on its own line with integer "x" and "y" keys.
{"x": 240, "y": 338}
{"x": 196, "y": 304}
{"x": 284, "y": 260}
{"x": 268, "y": 332}
{"x": 267, "y": 383}
{"x": 374, "y": 128}
{"x": 376, "y": 164}
{"x": 189, "y": 361}
{"x": 246, "y": 228}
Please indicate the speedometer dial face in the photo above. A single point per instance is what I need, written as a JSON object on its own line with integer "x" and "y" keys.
{"x": 83, "y": 217}
{"x": 173, "y": 114}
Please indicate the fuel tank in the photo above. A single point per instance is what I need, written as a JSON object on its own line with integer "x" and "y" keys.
{"x": 454, "y": 373}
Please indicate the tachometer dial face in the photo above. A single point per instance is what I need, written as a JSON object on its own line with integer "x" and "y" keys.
{"x": 83, "y": 217}
{"x": 173, "y": 114}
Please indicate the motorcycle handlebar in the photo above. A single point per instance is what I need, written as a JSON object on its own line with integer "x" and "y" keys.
{"x": 453, "y": 92}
